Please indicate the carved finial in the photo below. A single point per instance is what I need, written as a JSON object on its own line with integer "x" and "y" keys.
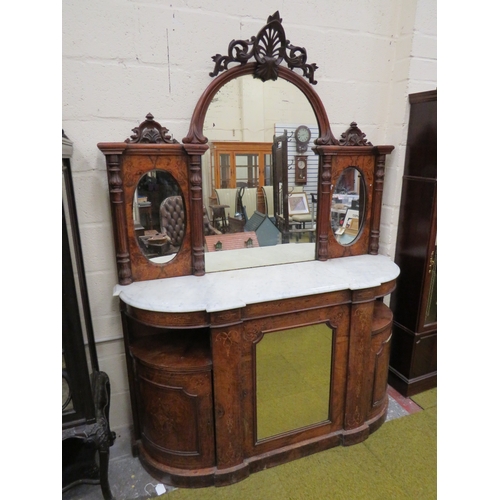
{"x": 269, "y": 48}
{"x": 353, "y": 137}
{"x": 150, "y": 132}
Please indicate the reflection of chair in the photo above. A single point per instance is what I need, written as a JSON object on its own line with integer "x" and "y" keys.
{"x": 207, "y": 227}
{"x": 172, "y": 219}
{"x": 267, "y": 191}
{"x": 303, "y": 219}
{"x": 219, "y": 219}
{"x": 249, "y": 201}
{"x": 227, "y": 197}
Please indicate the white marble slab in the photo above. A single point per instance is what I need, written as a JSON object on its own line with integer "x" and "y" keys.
{"x": 233, "y": 289}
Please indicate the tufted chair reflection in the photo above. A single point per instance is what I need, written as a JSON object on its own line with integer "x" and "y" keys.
{"x": 172, "y": 219}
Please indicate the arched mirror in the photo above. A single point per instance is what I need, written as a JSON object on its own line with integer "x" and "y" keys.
{"x": 260, "y": 135}
{"x": 159, "y": 216}
{"x": 348, "y": 205}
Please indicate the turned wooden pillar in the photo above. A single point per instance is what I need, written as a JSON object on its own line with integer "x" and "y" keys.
{"x": 195, "y": 151}
{"x": 324, "y": 199}
{"x": 378, "y": 190}
{"x": 113, "y": 156}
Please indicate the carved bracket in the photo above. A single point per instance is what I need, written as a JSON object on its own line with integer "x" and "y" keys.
{"x": 353, "y": 137}
{"x": 269, "y": 48}
{"x": 150, "y": 132}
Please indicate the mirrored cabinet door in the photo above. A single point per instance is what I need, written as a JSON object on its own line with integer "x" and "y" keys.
{"x": 78, "y": 405}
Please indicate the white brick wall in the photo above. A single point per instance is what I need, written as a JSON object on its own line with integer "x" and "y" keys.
{"x": 122, "y": 60}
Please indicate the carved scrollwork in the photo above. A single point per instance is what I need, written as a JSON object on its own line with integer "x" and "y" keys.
{"x": 269, "y": 48}
{"x": 353, "y": 137}
{"x": 150, "y": 132}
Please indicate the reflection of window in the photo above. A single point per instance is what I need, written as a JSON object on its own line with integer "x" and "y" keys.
{"x": 241, "y": 164}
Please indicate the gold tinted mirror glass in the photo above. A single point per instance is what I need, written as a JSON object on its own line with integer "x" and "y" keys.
{"x": 159, "y": 216}
{"x": 348, "y": 206}
{"x": 244, "y": 173}
{"x": 293, "y": 373}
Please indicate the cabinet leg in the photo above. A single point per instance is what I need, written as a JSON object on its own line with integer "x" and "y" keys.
{"x": 103, "y": 474}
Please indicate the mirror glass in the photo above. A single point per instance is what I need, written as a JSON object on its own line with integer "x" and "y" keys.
{"x": 248, "y": 175}
{"x": 348, "y": 206}
{"x": 159, "y": 216}
{"x": 293, "y": 373}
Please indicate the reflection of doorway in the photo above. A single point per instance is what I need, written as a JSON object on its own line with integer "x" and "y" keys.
{"x": 241, "y": 164}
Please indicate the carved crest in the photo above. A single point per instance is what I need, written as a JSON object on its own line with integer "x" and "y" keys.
{"x": 269, "y": 48}
{"x": 354, "y": 137}
{"x": 150, "y": 132}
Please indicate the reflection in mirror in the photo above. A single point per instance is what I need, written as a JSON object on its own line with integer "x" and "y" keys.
{"x": 293, "y": 373}
{"x": 67, "y": 399}
{"x": 241, "y": 167}
{"x": 159, "y": 216}
{"x": 348, "y": 206}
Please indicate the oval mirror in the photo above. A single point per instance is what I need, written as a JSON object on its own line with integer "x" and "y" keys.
{"x": 260, "y": 175}
{"x": 348, "y": 206}
{"x": 159, "y": 216}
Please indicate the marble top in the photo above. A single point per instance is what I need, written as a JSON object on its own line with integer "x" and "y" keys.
{"x": 221, "y": 291}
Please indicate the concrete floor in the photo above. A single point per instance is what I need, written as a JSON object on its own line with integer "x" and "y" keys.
{"x": 129, "y": 480}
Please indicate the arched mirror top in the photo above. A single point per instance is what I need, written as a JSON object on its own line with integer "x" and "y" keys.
{"x": 270, "y": 49}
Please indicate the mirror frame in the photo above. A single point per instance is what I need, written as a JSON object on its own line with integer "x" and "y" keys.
{"x": 148, "y": 149}
{"x": 355, "y": 151}
{"x": 196, "y": 137}
{"x": 151, "y": 146}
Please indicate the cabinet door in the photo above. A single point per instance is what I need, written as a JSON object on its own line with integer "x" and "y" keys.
{"x": 428, "y": 311}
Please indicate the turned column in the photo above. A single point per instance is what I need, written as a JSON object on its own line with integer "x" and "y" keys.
{"x": 324, "y": 198}
{"x": 378, "y": 190}
{"x": 195, "y": 152}
{"x": 113, "y": 154}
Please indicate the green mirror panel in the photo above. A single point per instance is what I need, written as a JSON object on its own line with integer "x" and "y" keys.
{"x": 159, "y": 216}
{"x": 348, "y": 206}
{"x": 293, "y": 374}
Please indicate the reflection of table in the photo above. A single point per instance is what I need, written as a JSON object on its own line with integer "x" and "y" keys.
{"x": 236, "y": 225}
{"x": 153, "y": 248}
